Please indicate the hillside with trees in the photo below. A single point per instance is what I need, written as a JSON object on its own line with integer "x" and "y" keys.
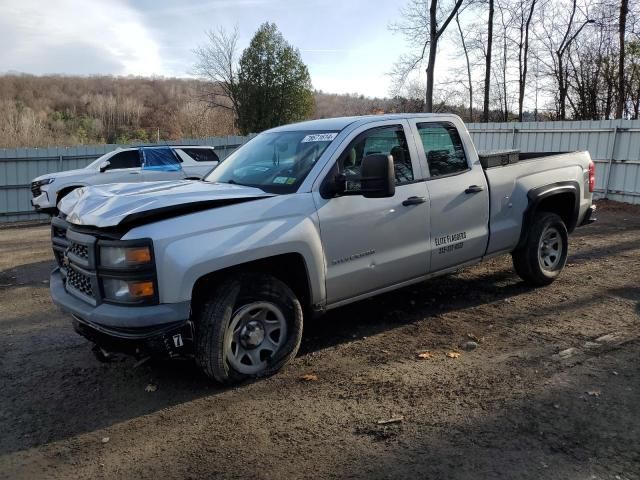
{"x": 66, "y": 110}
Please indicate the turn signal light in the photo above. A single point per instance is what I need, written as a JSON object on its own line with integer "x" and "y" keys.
{"x": 141, "y": 289}
{"x": 138, "y": 255}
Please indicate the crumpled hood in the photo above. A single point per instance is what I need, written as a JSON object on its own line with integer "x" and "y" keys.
{"x": 135, "y": 203}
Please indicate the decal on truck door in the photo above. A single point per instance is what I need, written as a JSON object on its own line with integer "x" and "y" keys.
{"x": 355, "y": 256}
{"x": 451, "y": 242}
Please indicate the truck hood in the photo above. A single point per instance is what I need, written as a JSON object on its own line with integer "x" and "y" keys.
{"x": 131, "y": 204}
{"x": 66, "y": 174}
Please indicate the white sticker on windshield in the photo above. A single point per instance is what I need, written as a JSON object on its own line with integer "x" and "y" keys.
{"x": 319, "y": 137}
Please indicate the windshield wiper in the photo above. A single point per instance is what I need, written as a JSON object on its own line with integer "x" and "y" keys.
{"x": 233, "y": 182}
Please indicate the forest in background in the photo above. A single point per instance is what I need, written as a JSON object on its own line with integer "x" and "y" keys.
{"x": 37, "y": 111}
{"x": 40, "y": 111}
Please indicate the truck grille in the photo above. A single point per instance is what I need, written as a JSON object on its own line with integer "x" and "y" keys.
{"x": 76, "y": 252}
{"x": 75, "y": 255}
{"x": 81, "y": 251}
{"x": 80, "y": 282}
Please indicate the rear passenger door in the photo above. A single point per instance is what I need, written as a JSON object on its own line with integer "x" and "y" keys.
{"x": 161, "y": 163}
{"x": 458, "y": 193}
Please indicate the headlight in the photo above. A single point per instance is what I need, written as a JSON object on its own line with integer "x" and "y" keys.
{"x": 126, "y": 271}
{"x": 118, "y": 290}
{"x": 122, "y": 257}
{"x": 45, "y": 181}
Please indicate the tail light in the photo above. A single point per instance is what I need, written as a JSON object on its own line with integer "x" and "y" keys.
{"x": 592, "y": 176}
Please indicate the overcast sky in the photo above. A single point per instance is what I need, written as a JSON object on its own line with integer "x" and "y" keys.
{"x": 346, "y": 44}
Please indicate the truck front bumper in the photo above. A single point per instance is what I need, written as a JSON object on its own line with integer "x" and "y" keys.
{"x": 163, "y": 328}
{"x": 42, "y": 203}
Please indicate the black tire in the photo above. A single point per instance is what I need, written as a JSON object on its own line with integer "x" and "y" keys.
{"x": 225, "y": 305}
{"x": 528, "y": 261}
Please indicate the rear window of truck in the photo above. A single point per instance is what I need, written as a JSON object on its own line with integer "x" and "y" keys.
{"x": 443, "y": 148}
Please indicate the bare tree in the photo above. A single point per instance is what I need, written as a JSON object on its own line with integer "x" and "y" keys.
{"x": 622, "y": 25}
{"x": 424, "y": 23}
{"x": 525, "y": 10}
{"x": 633, "y": 79}
{"x": 487, "y": 68}
{"x": 559, "y": 48}
{"x": 216, "y": 62}
{"x": 502, "y": 81}
{"x": 468, "y": 63}
{"x": 592, "y": 75}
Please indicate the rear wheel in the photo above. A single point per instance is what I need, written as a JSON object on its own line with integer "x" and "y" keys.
{"x": 542, "y": 258}
{"x": 251, "y": 327}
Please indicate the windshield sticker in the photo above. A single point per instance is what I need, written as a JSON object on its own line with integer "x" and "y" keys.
{"x": 319, "y": 137}
{"x": 280, "y": 180}
{"x": 291, "y": 181}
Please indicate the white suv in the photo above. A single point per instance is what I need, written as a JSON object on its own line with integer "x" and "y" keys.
{"x": 123, "y": 165}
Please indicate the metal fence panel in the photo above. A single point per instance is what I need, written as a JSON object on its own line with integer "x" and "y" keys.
{"x": 18, "y": 166}
{"x": 614, "y": 145}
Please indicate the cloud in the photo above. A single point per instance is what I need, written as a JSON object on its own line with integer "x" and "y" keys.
{"x": 77, "y": 37}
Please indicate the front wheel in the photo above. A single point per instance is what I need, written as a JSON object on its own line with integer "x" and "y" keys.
{"x": 250, "y": 327}
{"x": 542, "y": 258}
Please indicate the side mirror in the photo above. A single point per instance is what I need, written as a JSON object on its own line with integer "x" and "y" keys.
{"x": 104, "y": 165}
{"x": 378, "y": 176}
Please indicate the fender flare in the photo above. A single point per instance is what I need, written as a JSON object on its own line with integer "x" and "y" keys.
{"x": 535, "y": 196}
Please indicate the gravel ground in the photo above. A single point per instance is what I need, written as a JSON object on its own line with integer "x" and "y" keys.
{"x": 551, "y": 391}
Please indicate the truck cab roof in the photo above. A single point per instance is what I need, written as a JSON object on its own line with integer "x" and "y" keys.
{"x": 340, "y": 123}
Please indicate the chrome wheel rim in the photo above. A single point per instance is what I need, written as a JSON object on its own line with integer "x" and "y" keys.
{"x": 550, "y": 249}
{"x": 256, "y": 332}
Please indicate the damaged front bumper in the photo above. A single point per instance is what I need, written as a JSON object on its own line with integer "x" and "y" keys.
{"x": 174, "y": 340}
{"x": 162, "y": 329}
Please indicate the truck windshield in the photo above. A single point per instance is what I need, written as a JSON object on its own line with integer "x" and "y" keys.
{"x": 276, "y": 162}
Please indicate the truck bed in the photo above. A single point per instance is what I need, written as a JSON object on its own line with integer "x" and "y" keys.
{"x": 503, "y": 158}
{"x": 509, "y": 184}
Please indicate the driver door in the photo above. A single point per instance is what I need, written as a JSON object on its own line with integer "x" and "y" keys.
{"x": 373, "y": 243}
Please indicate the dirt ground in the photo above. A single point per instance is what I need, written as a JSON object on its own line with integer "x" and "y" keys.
{"x": 543, "y": 396}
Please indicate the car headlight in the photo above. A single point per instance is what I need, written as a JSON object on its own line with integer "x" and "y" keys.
{"x": 123, "y": 257}
{"x": 45, "y": 181}
{"x": 126, "y": 271}
{"x": 126, "y": 291}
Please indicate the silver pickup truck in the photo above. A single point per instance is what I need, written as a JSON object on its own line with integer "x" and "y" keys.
{"x": 302, "y": 219}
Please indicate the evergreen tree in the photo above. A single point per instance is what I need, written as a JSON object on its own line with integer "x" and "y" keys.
{"x": 274, "y": 86}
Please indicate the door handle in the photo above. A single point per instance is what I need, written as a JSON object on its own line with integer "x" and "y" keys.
{"x": 414, "y": 201}
{"x": 474, "y": 189}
